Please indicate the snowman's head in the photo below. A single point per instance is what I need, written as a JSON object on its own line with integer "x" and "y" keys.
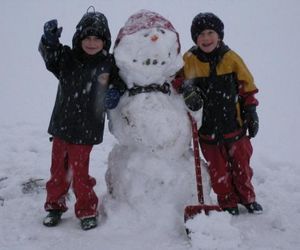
{"x": 147, "y": 49}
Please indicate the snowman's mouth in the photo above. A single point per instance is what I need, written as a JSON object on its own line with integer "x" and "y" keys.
{"x": 150, "y": 61}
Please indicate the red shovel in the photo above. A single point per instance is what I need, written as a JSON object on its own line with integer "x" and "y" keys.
{"x": 193, "y": 210}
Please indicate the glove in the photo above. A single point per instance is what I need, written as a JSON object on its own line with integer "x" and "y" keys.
{"x": 192, "y": 97}
{"x": 112, "y": 98}
{"x": 51, "y": 32}
{"x": 251, "y": 120}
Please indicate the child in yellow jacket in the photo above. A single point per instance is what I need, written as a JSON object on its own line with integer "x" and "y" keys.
{"x": 217, "y": 78}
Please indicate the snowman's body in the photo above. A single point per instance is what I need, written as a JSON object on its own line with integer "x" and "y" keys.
{"x": 152, "y": 166}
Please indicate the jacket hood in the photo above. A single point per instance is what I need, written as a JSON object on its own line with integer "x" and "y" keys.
{"x": 92, "y": 24}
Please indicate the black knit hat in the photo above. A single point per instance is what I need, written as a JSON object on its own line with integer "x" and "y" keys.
{"x": 92, "y": 24}
{"x": 205, "y": 21}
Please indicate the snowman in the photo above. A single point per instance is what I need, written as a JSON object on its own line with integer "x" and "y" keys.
{"x": 151, "y": 168}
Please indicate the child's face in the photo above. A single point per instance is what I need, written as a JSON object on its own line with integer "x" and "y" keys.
{"x": 92, "y": 45}
{"x": 208, "y": 40}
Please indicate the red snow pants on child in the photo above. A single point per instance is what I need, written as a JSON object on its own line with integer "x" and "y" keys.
{"x": 230, "y": 172}
{"x": 70, "y": 165}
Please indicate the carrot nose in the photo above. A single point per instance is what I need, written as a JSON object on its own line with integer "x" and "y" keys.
{"x": 154, "y": 38}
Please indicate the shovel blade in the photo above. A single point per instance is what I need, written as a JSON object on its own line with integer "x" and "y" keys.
{"x": 191, "y": 211}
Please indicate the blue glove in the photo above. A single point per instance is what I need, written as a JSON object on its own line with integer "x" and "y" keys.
{"x": 112, "y": 98}
{"x": 51, "y": 32}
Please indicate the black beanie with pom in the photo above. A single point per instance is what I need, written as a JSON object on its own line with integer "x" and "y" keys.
{"x": 205, "y": 21}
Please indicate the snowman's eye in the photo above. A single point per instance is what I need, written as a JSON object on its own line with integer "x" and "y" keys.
{"x": 146, "y": 35}
{"x": 161, "y": 31}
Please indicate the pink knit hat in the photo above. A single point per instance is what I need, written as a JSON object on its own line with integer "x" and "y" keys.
{"x": 145, "y": 19}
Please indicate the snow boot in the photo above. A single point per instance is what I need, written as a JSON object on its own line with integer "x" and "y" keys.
{"x": 254, "y": 208}
{"x": 88, "y": 223}
{"x": 53, "y": 218}
{"x": 232, "y": 210}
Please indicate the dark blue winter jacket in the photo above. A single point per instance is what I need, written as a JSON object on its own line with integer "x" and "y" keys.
{"x": 79, "y": 115}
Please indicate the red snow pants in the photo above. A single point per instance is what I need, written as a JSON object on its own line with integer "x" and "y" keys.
{"x": 70, "y": 165}
{"x": 230, "y": 172}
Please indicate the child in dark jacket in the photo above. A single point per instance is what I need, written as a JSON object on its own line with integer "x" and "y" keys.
{"x": 88, "y": 85}
{"x": 217, "y": 77}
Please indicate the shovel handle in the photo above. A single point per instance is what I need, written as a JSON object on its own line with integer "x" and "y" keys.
{"x": 197, "y": 159}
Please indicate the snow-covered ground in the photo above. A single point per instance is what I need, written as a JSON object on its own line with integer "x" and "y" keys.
{"x": 264, "y": 33}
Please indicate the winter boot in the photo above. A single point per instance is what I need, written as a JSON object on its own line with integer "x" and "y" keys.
{"x": 254, "y": 208}
{"x": 232, "y": 210}
{"x": 53, "y": 218}
{"x": 88, "y": 223}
